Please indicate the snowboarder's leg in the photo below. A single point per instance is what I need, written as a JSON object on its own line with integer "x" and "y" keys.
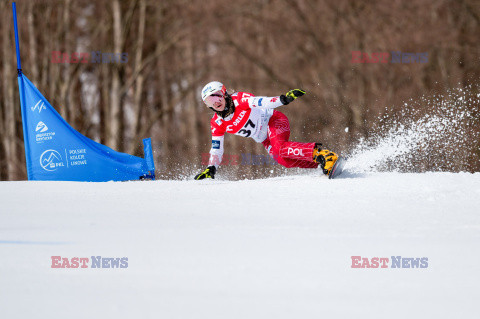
{"x": 288, "y": 154}
{"x": 295, "y": 154}
{"x": 286, "y": 162}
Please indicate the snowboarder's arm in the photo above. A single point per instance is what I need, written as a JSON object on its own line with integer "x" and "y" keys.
{"x": 265, "y": 102}
{"x": 216, "y": 152}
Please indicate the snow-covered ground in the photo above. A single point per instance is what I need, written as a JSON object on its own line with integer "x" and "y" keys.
{"x": 272, "y": 248}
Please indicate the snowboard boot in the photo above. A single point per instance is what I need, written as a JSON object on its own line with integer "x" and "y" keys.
{"x": 325, "y": 158}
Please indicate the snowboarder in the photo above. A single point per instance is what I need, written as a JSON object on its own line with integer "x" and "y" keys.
{"x": 246, "y": 115}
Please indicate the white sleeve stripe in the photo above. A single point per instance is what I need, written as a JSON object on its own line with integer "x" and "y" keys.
{"x": 264, "y": 102}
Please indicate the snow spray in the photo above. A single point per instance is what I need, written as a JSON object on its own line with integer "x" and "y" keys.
{"x": 434, "y": 133}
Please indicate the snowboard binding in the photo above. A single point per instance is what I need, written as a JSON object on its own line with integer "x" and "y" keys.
{"x": 331, "y": 164}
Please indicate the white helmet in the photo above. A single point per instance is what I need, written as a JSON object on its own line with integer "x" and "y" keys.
{"x": 211, "y": 88}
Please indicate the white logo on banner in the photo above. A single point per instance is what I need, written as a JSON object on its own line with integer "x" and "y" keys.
{"x": 50, "y": 160}
{"x": 40, "y": 105}
{"x": 41, "y": 127}
{"x": 42, "y": 134}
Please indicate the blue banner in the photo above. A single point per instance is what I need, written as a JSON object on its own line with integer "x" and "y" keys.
{"x": 54, "y": 151}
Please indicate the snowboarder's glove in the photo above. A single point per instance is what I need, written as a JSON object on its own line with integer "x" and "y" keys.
{"x": 291, "y": 95}
{"x": 208, "y": 173}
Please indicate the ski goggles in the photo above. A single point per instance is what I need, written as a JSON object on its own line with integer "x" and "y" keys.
{"x": 214, "y": 98}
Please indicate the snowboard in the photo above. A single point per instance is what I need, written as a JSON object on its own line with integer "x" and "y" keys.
{"x": 337, "y": 168}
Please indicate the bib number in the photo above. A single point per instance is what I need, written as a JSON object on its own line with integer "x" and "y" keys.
{"x": 244, "y": 131}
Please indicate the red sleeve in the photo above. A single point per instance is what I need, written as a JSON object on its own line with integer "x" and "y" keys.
{"x": 216, "y": 126}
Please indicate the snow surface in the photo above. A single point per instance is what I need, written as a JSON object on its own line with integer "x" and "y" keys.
{"x": 271, "y": 248}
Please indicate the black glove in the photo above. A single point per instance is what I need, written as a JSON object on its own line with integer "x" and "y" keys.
{"x": 291, "y": 95}
{"x": 208, "y": 173}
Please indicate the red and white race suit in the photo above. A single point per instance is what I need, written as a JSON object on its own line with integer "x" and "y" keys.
{"x": 255, "y": 117}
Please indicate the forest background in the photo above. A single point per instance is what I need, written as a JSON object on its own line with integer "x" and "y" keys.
{"x": 265, "y": 47}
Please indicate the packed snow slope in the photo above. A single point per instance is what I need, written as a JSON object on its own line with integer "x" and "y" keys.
{"x": 271, "y": 248}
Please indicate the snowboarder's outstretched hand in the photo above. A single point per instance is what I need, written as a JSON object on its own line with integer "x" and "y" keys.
{"x": 291, "y": 95}
{"x": 208, "y": 173}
